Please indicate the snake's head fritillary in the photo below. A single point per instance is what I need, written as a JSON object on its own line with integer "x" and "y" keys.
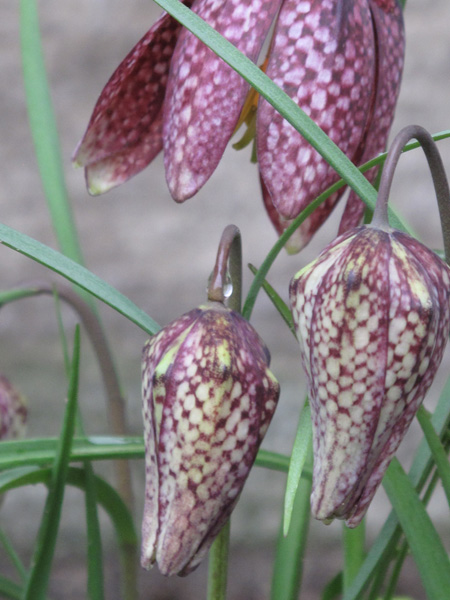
{"x": 13, "y": 411}
{"x": 341, "y": 62}
{"x": 372, "y": 317}
{"x": 208, "y": 398}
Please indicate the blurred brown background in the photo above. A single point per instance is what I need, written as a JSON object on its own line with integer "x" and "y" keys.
{"x": 160, "y": 254}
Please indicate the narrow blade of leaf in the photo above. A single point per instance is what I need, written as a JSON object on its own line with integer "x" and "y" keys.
{"x": 77, "y": 274}
{"x": 302, "y": 445}
{"x": 437, "y": 450}
{"x": 278, "y": 302}
{"x": 45, "y": 546}
{"x": 426, "y": 546}
{"x": 288, "y": 565}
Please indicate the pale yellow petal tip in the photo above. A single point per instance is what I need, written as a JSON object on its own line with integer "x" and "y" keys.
{"x": 76, "y": 164}
{"x": 97, "y": 186}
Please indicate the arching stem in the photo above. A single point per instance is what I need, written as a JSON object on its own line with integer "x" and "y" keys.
{"x": 380, "y": 215}
{"x": 116, "y": 406}
{"x": 228, "y": 269}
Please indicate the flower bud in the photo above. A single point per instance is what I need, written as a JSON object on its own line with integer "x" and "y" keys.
{"x": 372, "y": 318}
{"x": 208, "y": 398}
{"x": 13, "y": 411}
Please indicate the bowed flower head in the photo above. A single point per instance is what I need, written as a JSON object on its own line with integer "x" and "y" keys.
{"x": 13, "y": 411}
{"x": 208, "y": 398}
{"x": 339, "y": 60}
{"x": 372, "y": 317}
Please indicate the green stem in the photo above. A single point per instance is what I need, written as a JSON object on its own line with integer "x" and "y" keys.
{"x": 354, "y": 553}
{"x": 115, "y": 401}
{"x": 6, "y": 543}
{"x": 380, "y": 217}
{"x": 290, "y": 552}
{"x": 218, "y": 565}
{"x": 227, "y": 270}
{"x": 402, "y": 554}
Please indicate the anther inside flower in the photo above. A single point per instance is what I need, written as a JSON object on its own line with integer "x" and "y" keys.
{"x": 340, "y": 61}
{"x": 372, "y": 317}
{"x": 208, "y": 399}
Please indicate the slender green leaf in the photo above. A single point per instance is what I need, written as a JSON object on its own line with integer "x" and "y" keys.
{"x": 437, "y": 450}
{"x": 426, "y": 546}
{"x": 291, "y": 547}
{"x": 42, "y": 560}
{"x": 278, "y": 302}
{"x": 333, "y": 589}
{"x": 42, "y": 451}
{"x": 354, "y": 551}
{"x": 300, "y": 450}
{"x": 14, "y": 557}
{"x": 77, "y": 274}
{"x": 272, "y": 460}
{"x": 9, "y": 589}
{"x": 94, "y": 546}
{"x": 107, "y": 496}
{"x": 15, "y": 294}
{"x": 44, "y": 131}
{"x": 94, "y": 550}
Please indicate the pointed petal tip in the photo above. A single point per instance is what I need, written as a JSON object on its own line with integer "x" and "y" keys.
{"x": 97, "y": 187}
{"x": 182, "y": 186}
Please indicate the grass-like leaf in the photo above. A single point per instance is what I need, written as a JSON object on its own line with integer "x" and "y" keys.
{"x": 77, "y": 274}
{"x": 302, "y": 447}
{"x": 10, "y": 590}
{"x": 437, "y": 450}
{"x": 425, "y": 544}
{"x": 107, "y": 496}
{"x": 44, "y": 130}
{"x": 291, "y": 546}
{"x": 333, "y": 589}
{"x": 37, "y": 582}
{"x": 281, "y": 306}
{"x": 42, "y": 452}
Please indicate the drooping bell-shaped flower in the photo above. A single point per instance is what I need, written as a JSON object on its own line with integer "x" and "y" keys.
{"x": 194, "y": 119}
{"x": 208, "y": 399}
{"x": 339, "y": 60}
{"x": 372, "y": 315}
{"x": 13, "y": 411}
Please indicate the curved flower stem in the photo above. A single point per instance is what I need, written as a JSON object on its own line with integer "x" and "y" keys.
{"x": 227, "y": 271}
{"x": 218, "y": 563}
{"x": 116, "y": 409}
{"x": 353, "y": 543}
{"x": 380, "y": 217}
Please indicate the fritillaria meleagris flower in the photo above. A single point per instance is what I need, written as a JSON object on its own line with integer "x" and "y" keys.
{"x": 340, "y": 60}
{"x": 208, "y": 398}
{"x": 372, "y": 317}
{"x": 13, "y": 411}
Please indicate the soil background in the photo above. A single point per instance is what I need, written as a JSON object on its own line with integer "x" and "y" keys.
{"x": 160, "y": 254}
